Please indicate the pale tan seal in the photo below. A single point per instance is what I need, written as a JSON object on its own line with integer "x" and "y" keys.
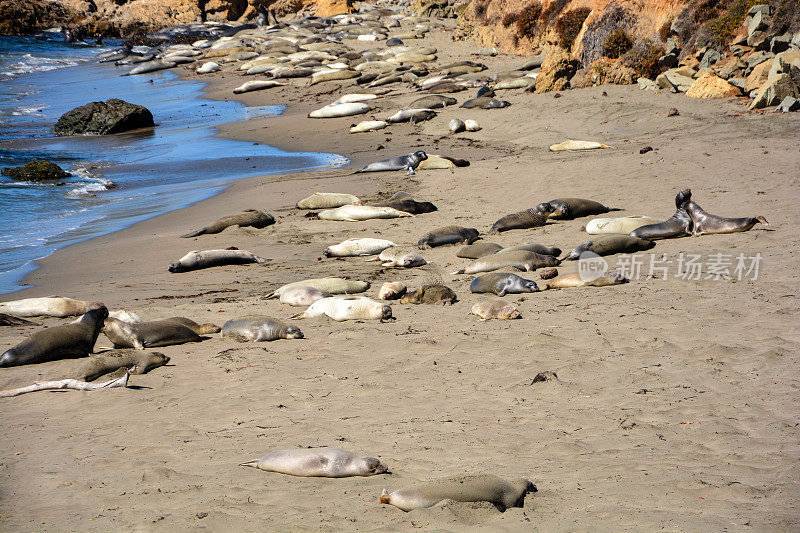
{"x": 56, "y": 306}
{"x": 318, "y": 462}
{"x": 496, "y": 308}
{"x": 196, "y": 260}
{"x": 327, "y": 285}
{"x": 573, "y": 279}
{"x": 392, "y": 291}
{"x": 464, "y": 488}
{"x": 301, "y": 296}
{"x": 75, "y": 339}
{"x": 430, "y": 294}
{"x": 327, "y": 200}
{"x": 348, "y": 308}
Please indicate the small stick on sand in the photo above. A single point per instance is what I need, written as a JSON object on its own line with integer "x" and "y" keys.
{"x": 66, "y": 384}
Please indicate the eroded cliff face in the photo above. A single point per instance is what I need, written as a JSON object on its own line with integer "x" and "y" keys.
{"x": 581, "y": 26}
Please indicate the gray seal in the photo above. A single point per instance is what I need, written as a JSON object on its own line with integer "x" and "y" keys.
{"x": 259, "y": 328}
{"x": 133, "y": 361}
{"x": 610, "y": 245}
{"x": 569, "y": 208}
{"x": 433, "y": 101}
{"x": 530, "y": 218}
{"x": 448, "y": 235}
{"x": 705, "y": 223}
{"x": 485, "y": 102}
{"x": 502, "y": 284}
{"x": 518, "y": 259}
{"x": 318, "y": 462}
{"x": 150, "y": 334}
{"x": 537, "y": 248}
{"x": 404, "y": 162}
{"x": 402, "y": 201}
{"x": 478, "y": 250}
{"x": 196, "y": 260}
{"x": 678, "y": 225}
{"x": 249, "y": 217}
{"x": 75, "y": 339}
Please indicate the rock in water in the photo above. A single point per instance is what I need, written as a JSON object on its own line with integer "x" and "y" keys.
{"x": 102, "y": 118}
{"x": 39, "y": 170}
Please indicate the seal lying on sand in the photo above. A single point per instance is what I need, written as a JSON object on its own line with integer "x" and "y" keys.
{"x": 502, "y": 284}
{"x": 464, "y": 488}
{"x": 574, "y": 280}
{"x": 319, "y": 462}
{"x": 11, "y": 320}
{"x": 392, "y": 290}
{"x": 327, "y": 200}
{"x": 530, "y": 218}
{"x": 402, "y": 201}
{"x": 620, "y": 225}
{"x": 430, "y": 294}
{"x": 448, "y": 235}
{"x": 678, "y": 225}
{"x": 478, "y": 250}
{"x": 569, "y": 208}
{"x": 134, "y": 361}
{"x": 196, "y": 260}
{"x": 149, "y": 334}
{"x": 535, "y": 247}
{"x": 400, "y": 257}
{"x": 356, "y": 247}
{"x": 56, "y": 306}
{"x": 75, "y": 339}
{"x": 302, "y": 296}
{"x": 705, "y": 223}
{"x": 404, "y": 162}
{"x": 572, "y": 144}
{"x": 249, "y": 217}
{"x": 485, "y": 102}
{"x": 328, "y": 285}
{"x": 610, "y": 245}
{"x": 358, "y": 213}
{"x": 519, "y": 259}
{"x": 496, "y": 308}
{"x": 347, "y": 308}
{"x": 259, "y": 328}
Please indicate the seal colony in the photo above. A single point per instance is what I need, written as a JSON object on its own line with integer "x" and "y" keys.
{"x": 317, "y": 52}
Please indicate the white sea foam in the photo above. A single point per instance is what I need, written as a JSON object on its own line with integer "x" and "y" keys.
{"x": 90, "y": 184}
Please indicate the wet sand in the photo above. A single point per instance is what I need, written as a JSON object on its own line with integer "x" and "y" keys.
{"x": 676, "y": 400}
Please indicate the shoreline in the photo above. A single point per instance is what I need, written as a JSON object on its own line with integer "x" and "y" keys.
{"x": 671, "y": 393}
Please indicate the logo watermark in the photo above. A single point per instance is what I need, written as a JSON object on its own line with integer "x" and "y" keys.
{"x": 690, "y": 267}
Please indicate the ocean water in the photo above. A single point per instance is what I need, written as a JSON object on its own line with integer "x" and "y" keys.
{"x": 120, "y": 179}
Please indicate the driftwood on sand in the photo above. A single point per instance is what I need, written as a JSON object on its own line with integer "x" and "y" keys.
{"x": 66, "y": 384}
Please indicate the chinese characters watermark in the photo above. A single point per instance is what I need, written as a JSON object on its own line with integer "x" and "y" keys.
{"x": 685, "y": 266}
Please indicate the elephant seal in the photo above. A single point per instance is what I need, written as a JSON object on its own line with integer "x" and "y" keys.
{"x": 464, "y": 488}
{"x": 448, "y": 235}
{"x": 75, "y": 339}
{"x": 301, "y": 296}
{"x": 200, "y": 329}
{"x": 485, "y": 102}
{"x": 433, "y": 101}
{"x": 347, "y": 308}
{"x": 196, "y": 260}
{"x": 402, "y": 201}
{"x": 502, "y": 284}
{"x": 359, "y": 213}
{"x": 456, "y": 126}
{"x": 392, "y": 291}
{"x": 430, "y": 294}
{"x": 496, "y": 308}
{"x": 610, "y": 245}
{"x": 11, "y": 320}
{"x": 574, "y": 280}
{"x": 569, "y": 208}
{"x": 620, "y": 225}
{"x": 530, "y": 218}
{"x": 328, "y": 285}
{"x": 404, "y": 162}
{"x": 678, "y": 225}
{"x": 150, "y": 334}
{"x": 247, "y": 218}
{"x": 368, "y": 125}
{"x": 519, "y": 259}
{"x": 255, "y": 85}
{"x": 478, "y": 250}
{"x": 535, "y": 247}
{"x": 340, "y": 110}
{"x": 572, "y": 144}
{"x": 399, "y": 257}
{"x": 259, "y": 328}
{"x": 134, "y": 361}
{"x": 56, "y": 306}
{"x": 706, "y": 224}
{"x": 319, "y": 462}
{"x": 412, "y": 116}
{"x": 327, "y": 200}
{"x": 356, "y": 247}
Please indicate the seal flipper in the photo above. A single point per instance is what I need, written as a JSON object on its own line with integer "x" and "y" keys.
{"x": 194, "y": 234}
{"x": 252, "y": 464}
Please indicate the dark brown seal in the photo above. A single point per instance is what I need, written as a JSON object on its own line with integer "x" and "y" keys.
{"x": 249, "y": 217}
{"x": 430, "y": 294}
{"x": 530, "y": 218}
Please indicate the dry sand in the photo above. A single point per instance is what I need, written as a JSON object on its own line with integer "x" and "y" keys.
{"x": 676, "y": 405}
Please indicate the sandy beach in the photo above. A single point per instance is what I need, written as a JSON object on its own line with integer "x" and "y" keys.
{"x": 676, "y": 404}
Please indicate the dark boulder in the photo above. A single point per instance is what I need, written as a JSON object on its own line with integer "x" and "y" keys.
{"x": 101, "y": 118}
{"x": 39, "y": 170}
